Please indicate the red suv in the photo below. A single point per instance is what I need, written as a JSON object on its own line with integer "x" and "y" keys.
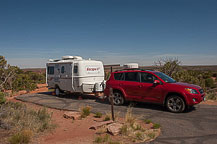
{"x": 154, "y": 87}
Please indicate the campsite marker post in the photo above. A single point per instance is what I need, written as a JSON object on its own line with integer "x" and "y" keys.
{"x": 112, "y": 103}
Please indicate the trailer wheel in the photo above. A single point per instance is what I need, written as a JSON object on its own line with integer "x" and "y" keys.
{"x": 57, "y": 91}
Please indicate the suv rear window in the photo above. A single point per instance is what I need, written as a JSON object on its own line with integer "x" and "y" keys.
{"x": 132, "y": 76}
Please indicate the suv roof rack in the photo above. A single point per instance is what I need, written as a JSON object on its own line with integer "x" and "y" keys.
{"x": 134, "y": 69}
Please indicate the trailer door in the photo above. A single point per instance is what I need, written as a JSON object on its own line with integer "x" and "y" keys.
{"x": 66, "y": 77}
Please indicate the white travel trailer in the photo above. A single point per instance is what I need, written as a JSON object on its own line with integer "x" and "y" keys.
{"x": 76, "y": 75}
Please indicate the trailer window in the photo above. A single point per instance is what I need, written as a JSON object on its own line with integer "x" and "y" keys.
{"x": 62, "y": 69}
{"x": 50, "y": 70}
{"x": 75, "y": 69}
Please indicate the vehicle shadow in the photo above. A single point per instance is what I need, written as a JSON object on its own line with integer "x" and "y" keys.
{"x": 142, "y": 105}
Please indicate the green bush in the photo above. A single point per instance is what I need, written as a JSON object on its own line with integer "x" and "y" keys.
{"x": 23, "y": 82}
{"x": 147, "y": 121}
{"x": 209, "y": 82}
{"x": 107, "y": 117}
{"x": 98, "y": 115}
{"x": 15, "y": 79}
{"x": 211, "y": 96}
{"x": 2, "y": 98}
{"x": 85, "y": 111}
{"x": 156, "y": 126}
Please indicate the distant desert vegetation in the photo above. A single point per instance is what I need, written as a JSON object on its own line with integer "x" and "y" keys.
{"x": 118, "y": 67}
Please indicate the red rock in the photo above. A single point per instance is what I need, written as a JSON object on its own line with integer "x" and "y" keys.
{"x": 72, "y": 115}
{"x": 100, "y": 124}
{"x": 114, "y": 128}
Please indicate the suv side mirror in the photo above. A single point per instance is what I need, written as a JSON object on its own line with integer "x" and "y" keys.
{"x": 156, "y": 82}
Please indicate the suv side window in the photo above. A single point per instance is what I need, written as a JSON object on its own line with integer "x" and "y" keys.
{"x": 147, "y": 77}
{"x": 119, "y": 76}
{"x": 132, "y": 76}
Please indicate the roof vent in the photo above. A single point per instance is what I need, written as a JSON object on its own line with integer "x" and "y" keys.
{"x": 71, "y": 58}
{"x": 131, "y": 66}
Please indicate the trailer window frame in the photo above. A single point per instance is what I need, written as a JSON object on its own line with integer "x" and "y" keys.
{"x": 75, "y": 70}
{"x": 62, "y": 69}
{"x": 50, "y": 70}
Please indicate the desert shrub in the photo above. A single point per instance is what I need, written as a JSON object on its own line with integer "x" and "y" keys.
{"x": 190, "y": 76}
{"x": 107, "y": 117}
{"x": 211, "y": 96}
{"x": 85, "y": 111}
{"x": 147, "y": 121}
{"x": 2, "y": 98}
{"x": 102, "y": 139}
{"x": 139, "y": 135}
{"x": 18, "y": 117}
{"x": 15, "y": 79}
{"x": 156, "y": 126}
{"x": 209, "y": 82}
{"x": 22, "y": 137}
{"x": 114, "y": 142}
{"x": 151, "y": 135}
{"x": 124, "y": 130}
{"x": 129, "y": 118}
{"x": 23, "y": 82}
{"x": 98, "y": 115}
{"x": 36, "y": 77}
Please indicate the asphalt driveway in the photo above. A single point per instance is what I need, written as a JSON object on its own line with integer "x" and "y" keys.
{"x": 198, "y": 125}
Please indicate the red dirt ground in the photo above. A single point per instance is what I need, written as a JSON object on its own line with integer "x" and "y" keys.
{"x": 67, "y": 130}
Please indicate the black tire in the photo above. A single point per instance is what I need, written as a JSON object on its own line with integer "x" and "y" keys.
{"x": 118, "y": 98}
{"x": 175, "y": 104}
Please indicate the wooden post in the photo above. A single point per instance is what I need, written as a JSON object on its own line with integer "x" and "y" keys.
{"x": 111, "y": 70}
{"x": 112, "y": 103}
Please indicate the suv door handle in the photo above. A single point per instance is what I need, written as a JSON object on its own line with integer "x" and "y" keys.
{"x": 140, "y": 86}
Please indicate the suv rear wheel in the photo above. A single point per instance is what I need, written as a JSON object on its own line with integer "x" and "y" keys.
{"x": 118, "y": 98}
{"x": 175, "y": 104}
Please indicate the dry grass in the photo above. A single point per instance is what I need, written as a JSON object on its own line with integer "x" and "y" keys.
{"x": 134, "y": 131}
{"x": 22, "y": 137}
{"x": 106, "y": 139}
{"x": 23, "y": 122}
{"x": 108, "y": 116}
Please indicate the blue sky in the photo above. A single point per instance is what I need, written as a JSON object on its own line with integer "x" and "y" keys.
{"x": 114, "y": 31}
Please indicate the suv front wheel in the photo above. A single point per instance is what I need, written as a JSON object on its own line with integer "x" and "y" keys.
{"x": 175, "y": 104}
{"x": 118, "y": 98}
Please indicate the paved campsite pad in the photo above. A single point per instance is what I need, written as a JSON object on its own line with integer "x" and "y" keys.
{"x": 196, "y": 126}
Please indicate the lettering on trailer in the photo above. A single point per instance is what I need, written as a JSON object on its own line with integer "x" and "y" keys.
{"x": 92, "y": 70}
